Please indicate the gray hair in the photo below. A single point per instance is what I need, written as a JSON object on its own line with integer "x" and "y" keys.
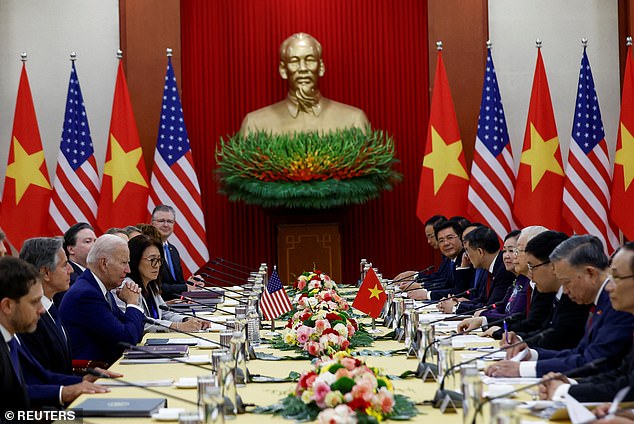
{"x": 104, "y": 247}
{"x": 531, "y": 231}
{"x": 584, "y": 250}
{"x": 41, "y": 252}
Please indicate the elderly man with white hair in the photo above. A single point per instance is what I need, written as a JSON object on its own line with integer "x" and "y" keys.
{"x": 89, "y": 311}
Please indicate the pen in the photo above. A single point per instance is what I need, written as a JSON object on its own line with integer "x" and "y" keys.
{"x": 506, "y": 332}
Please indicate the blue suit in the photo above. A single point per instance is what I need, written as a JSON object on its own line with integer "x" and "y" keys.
{"x": 501, "y": 280}
{"x": 609, "y": 336}
{"x": 94, "y": 328}
{"x": 42, "y": 385}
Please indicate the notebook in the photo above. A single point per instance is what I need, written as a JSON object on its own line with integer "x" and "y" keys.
{"x": 119, "y": 407}
{"x": 157, "y": 351}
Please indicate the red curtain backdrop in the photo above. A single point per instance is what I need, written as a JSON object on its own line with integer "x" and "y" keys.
{"x": 375, "y": 53}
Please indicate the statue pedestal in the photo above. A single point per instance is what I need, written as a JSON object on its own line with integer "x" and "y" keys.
{"x": 307, "y": 241}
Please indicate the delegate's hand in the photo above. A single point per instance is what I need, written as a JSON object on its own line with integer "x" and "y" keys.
{"x": 469, "y": 324}
{"x": 550, "y": 383}
{"x": 490, "y": 331}
{"x": 513, "y": 339}
{"x": 419, "y": 294}
{"x": 129, "y": 292}
{"x": 91, "y": 378}
{"x": 70, "y": 393}
{"x": 447, "y": 305}
{"x": 197, "y": 282}
{"x": 187, "y": 326}
{"x": 405, "y": 278}
{"x": 504, "y": 369}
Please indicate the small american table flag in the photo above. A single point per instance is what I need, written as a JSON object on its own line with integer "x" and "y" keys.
{"x": 275, "y": 301}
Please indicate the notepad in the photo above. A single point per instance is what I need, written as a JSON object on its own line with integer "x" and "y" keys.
{"x": 119, "y": 407}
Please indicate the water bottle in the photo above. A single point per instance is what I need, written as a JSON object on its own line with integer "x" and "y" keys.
{"x": 239, "y": 357}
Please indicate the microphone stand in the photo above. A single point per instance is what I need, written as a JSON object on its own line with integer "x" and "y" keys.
{"x": 213, "y": 307}
{"x": 189, "y": 283}
{"x": 456, "y": 397}
{"x": 590, "y": 365}
{"x": 222, "y": 261}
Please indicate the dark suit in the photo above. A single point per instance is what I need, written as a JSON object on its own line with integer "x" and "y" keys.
{"x": 13, "y": 395}
{"x": 457, "y": 281}
{"x": 603, "y": 387}
{"x": 43, "y": 385}
{"x": 57, "y": 299}
{"x": 94, "y": 328}
{"x": 541, "y": 309}
{"x": 501, "y": 280}
{"x": 49, "y": 346}
{"x": 609, "y": 336}
{"x": 568, "y": 320}
{"x": 172, "y": 287}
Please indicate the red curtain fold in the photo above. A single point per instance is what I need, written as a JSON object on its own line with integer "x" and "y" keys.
{"x": 375, "y": 53}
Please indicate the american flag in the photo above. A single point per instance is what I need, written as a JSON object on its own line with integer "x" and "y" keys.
{"x": 174, "y": 181}
{"x": 275, "y": 301}
{"x": 76, "y": 185}
{"x": 491, "y": 187}
{"x": 587, "y": 184}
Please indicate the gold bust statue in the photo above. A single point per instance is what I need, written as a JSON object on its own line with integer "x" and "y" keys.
{"x": 304, "y": 109}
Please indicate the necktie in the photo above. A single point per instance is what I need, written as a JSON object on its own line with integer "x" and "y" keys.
{"x": 110, "y": 300}
{"x": 529, "y": 295}
{"x": 54, "y": 313}
{"x": 590, "y": 316}
{"x": 168, "y": 259}
{"x": 152, "y": 306}
{"x": 489, "y": 281}
{"x": 13, "y": 346}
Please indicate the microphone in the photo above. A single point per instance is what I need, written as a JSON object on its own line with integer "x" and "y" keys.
{"x": 429, "y": 268}
{"x": 240, "y": 271}
{"x": 512, "y": 316}
{"x": 189, "y": 283}
{"x": 99, "y": 374}
{"x": 441, "y": 393}
{"x": 572, "y": 373}
{"x": 223, "y": 261}
{"x": 167, "y": 308}
{"x": 154, "y": 322}
{"x": 455, "y": 296}
{"x": 223, "y": 311}
{"x": 210, "y": 269}
{"x": 222, "y": 280}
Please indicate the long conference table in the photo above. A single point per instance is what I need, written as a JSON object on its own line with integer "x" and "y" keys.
{"x": 262, "y": 394}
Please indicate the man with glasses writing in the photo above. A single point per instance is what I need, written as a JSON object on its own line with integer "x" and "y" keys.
{"x": 171, "y": 272}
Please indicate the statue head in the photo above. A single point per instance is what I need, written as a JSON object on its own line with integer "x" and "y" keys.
{"x": 302, "y": 66}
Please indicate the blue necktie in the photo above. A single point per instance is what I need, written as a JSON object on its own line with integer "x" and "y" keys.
{"x": 13, "y": 346}
{"x": 168, "y": 259}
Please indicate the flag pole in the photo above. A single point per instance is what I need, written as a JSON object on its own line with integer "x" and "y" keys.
{"x": 73, "y": 56}
{"x": 119, "y": 54}
{"x": 23, "y": 57}
{"x": 168, "y": 52}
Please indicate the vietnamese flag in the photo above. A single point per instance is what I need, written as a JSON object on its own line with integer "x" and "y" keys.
{"x": 371, "y": 297}
{"x": 622, "y": 202}
{"x": 27, "y": 189}
{"x": 444, "y": 181}
{"x": 540, "y": 180}
{"x": 124, "y": 188}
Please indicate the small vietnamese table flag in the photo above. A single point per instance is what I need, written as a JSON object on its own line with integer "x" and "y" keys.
{"x": 371, "y": 296}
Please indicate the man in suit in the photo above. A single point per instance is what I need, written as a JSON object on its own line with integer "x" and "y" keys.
{"x": 94, "y": 323}
{"x": 604, "y": 386}
{"x": 173, "y": 282}
{"x": 581, "y": 267}
{"x": 49, "y": 342}
{"x": 20, "y": 310}
{"x": 78, "y": 241}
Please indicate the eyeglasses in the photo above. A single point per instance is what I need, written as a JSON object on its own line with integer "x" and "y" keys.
{"x": 164, "y": 221}
{"x": 616, "y": 279}
{"x": 154, "y": 261}
{"x": 517, "y": 251}
{"x": 447, "y": 239}
{"x": 531, "y": 268}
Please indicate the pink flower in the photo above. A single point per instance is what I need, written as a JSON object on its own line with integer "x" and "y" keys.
{"x": 345, "y": 345}
{"x": 312, "y": 348}
{"x": 321, "y": 325}
{"x": 351, "y": 329}
{"x": 303, "y": 333}
{"x": 342, "y": 372}
{"x": 386, "y": 400}
{"x": 301, "y": 284}
{"x": 349, "y": 363}
{"x": 321, "y": 389}
{"x": 314, "y": 284}
{"x": 363, "y": 389}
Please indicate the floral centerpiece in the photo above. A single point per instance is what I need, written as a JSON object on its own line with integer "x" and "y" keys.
{"x": 343, "y": 390}
{"x": 321, "y": 323}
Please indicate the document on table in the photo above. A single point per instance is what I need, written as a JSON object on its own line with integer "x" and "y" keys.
{"x": 510, "y": 380}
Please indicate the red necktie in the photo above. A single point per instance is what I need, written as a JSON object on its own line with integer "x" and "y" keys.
{"x": 489, "y": 280}
{"x": 590, "y": 316}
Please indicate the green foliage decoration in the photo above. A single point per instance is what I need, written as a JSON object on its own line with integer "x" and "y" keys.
{"x": 307, "y": 170}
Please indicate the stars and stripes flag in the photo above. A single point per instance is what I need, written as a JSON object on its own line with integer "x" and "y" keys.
{"x": 174, "y": 181}
{"x": 76, "y": 185}
{"x": 274, "y": 301}
{"x": 587, "y": 184}
{"x": 491, "y": 187}
{"x": 622, "y": 202}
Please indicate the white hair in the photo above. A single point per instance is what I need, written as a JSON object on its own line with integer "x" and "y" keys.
{"x": 104, "y": 247}
{"x": 532, "y": 231}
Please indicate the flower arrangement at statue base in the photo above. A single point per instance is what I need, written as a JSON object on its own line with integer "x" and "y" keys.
{"x": 343, "y": 390}
{"x": 321, "y": 324}
{"x": 312, "y": 170}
